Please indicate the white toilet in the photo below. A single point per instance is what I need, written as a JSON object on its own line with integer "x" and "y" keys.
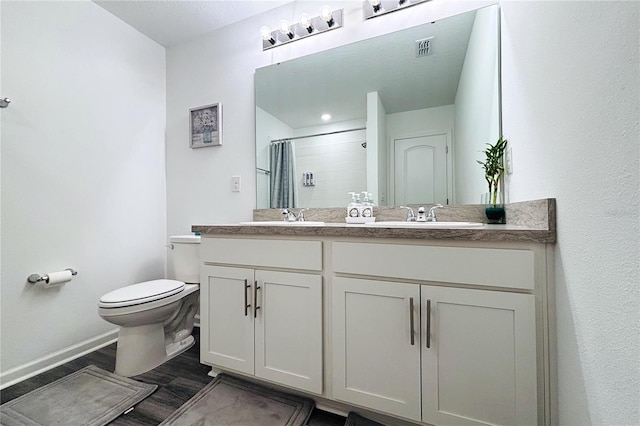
{"x": 156, "y": 317}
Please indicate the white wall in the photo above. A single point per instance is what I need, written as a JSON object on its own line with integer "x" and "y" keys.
{"x": 82, "y": 170}
{"x": 571, "y": 80}
{"x": 476, "y": 123}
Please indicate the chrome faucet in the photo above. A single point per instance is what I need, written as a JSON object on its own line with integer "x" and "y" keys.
{"x": 431, "y": 216}
{"x": 290, "y": 216}
{"x": 411, "y": 217}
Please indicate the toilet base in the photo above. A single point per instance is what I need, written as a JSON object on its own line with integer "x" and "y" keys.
{"x": 142, "y": 348}
{"x": 175, "y": 349}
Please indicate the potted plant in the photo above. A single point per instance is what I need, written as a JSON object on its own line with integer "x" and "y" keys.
{"x": 493, "y": 171}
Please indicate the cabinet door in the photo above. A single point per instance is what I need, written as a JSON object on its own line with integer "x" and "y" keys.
{"x": 288, "y": 329}
{"x": 478, "y": 357}
{"x": 376, "y": 354}
{"x": 227, "y": 323}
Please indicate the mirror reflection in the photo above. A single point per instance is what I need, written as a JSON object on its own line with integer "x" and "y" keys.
{"x": 403, "y": 116}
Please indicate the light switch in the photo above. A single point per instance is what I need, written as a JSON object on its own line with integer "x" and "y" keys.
{"x": 509, "y": 161}
{"x": 235, "y": 183}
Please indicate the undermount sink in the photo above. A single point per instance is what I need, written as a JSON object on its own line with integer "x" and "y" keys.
{"x": 281, "y": 223}
{"x": 426, "y": 225}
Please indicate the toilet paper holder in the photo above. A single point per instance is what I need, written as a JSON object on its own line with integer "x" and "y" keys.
{"x": 36, "y": 278}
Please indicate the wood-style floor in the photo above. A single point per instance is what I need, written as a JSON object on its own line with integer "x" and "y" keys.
{"x": 178, "y": 380}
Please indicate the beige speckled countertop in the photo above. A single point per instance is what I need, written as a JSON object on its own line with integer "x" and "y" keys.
{"x": 532, "y": 221}
{"x": 486, "y": 233}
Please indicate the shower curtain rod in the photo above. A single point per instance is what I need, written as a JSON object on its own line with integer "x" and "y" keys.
{"x": 317, "y": 134}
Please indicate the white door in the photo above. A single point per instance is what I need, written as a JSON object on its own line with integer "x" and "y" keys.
{"x": 376, "y": 357}
{"x": 227, "y": 317}
{"x": 420, "y": 173}
{"x": 479, "y": 357}
{"x": 288, "y": 329}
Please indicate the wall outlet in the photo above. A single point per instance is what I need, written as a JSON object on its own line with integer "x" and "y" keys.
{"x": 235, "y": 183}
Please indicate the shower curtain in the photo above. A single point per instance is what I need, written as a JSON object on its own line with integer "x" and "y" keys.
{"x": 284, "y": 193}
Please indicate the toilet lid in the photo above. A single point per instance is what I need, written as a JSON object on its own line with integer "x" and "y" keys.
{"x": 144, "y": 292}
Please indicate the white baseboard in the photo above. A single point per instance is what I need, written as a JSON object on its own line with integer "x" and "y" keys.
{"x": 40, "y": 365}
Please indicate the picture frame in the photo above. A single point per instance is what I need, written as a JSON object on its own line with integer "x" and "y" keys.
{"x": 205, "y": 126}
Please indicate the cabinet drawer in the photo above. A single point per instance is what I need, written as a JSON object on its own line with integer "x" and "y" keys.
{"x": 480, "y": 266}
{"x": 306, "y": 255}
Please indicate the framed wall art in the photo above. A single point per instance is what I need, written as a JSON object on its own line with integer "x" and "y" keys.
{"x": 205, "y": 126}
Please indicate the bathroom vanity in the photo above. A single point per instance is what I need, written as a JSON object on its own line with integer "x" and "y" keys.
{"x": 439, "y": 326}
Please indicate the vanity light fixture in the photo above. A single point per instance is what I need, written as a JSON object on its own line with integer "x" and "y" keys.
{"x": 306, "y": 26}
{"x": 373, "y": 8}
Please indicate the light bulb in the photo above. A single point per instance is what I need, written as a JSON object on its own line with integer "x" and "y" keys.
{"x": 265, "y": 33}
{"x": 285, "y": 29}
{"x": 376, "y": 4}
{"x": 305, "y": 22}
{"x": 325, "y": 13}
{"x": 325, "y": 117}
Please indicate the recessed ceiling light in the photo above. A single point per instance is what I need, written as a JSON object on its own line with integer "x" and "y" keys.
{"x": 325, "y": 117}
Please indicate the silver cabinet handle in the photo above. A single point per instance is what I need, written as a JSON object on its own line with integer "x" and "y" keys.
{"x": 412, "y": 328}
{"x": 428, "y": 323}
{"x": 247, "y": 305}
{"x": 255, "y": 299}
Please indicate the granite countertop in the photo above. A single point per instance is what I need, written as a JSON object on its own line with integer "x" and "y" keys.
{"x": 484, "y": 233}
{"x": 532, "y": 221}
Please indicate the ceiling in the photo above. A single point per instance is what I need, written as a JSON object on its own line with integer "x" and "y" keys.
{"x": 170, "y": 22}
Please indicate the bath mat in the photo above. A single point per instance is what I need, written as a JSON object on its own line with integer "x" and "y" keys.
{"x": 227, "y": 400}
{"x": 88, "y": 397}
{"x": 354, "y": 419}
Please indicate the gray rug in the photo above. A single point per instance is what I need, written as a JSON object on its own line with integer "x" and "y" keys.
{"x": 230, "y": 401}
{"x": 88, "y": 397}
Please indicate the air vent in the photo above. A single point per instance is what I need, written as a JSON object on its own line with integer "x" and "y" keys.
{"x": 424, "y": 47}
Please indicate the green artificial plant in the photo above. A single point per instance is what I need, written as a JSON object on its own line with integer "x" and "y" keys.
{"x": 494, "y": 167}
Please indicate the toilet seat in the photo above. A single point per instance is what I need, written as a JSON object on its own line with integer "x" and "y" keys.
{"x": 141, "y": 293}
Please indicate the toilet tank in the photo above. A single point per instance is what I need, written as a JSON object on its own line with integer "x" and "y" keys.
{"x": 184, "y": 258}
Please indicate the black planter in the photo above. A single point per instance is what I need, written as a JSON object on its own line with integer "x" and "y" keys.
{"x": 495, "y": 214}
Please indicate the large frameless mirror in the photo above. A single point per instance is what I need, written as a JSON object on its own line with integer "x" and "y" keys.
{"x": 410, "y": 113}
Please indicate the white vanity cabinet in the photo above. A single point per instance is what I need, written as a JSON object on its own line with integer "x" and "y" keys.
{"x": 258, "y": 320}
{"x": 434, "y": 331}
{"x": 420, "y": 348}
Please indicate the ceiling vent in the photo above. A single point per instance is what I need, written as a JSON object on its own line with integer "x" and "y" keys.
{"x": 424, "y": 47}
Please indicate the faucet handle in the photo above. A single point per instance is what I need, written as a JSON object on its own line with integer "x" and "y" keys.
{"x": 411, "y": 217}
{"x": 300, "y": 217}
{"x": 431, "y": 216}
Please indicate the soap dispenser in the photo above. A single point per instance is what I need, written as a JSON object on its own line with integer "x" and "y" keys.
{"x": 353, "y": 209}
{"x": 366, "y": 209}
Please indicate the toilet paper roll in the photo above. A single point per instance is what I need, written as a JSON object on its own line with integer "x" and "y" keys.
{"x": 58, "y": 278}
